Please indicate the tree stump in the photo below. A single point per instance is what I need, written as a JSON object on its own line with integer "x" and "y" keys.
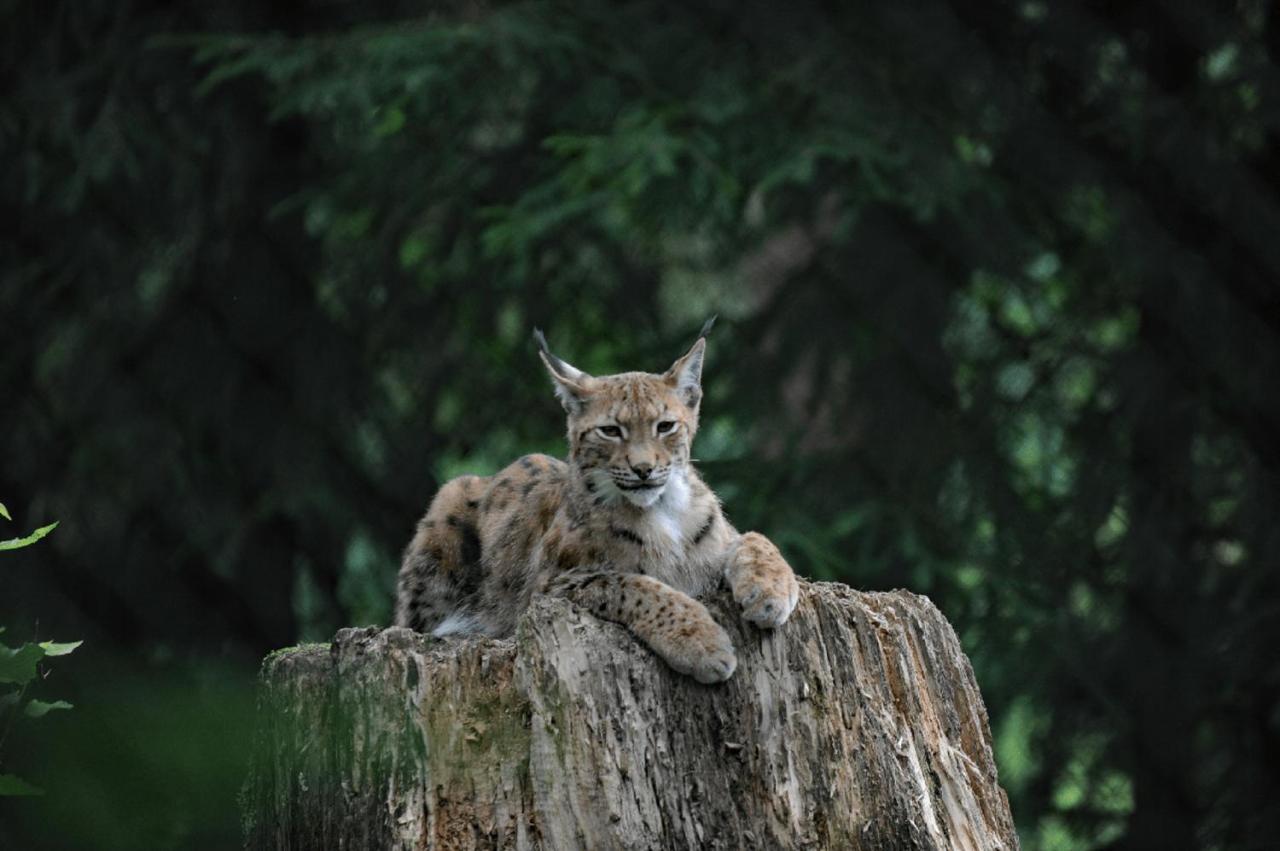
{"x": 858, "y": 725}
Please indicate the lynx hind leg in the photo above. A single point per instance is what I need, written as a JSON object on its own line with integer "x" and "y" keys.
{"x": 424, "y": 598}
{"x": 762, "y": 582}
{"x": 674, "y": 625}
{"x": 441, "y": 573}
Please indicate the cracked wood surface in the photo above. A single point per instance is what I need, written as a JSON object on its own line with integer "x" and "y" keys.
{"x": 858, "y": 725}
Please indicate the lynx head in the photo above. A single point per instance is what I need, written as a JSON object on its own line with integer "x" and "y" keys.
{"x": 630, "y": 434}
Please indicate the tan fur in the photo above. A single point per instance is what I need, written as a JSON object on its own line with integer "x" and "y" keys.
{"x": 625, "y": 528}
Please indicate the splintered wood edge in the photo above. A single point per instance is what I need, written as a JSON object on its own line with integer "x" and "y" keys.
{"x": 319, "y": 659}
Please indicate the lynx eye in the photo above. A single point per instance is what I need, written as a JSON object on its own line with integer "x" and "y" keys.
{"x": 666, "y": 426}
{"x": 610, "y": 431}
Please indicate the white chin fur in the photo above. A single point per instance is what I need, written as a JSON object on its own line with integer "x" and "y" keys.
{"x": 643, "y": 498}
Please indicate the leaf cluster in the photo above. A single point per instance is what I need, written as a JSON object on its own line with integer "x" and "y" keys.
{"x": 20, "y": 667}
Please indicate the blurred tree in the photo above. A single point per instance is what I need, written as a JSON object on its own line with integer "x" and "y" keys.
{"x": 1001, "y": 290}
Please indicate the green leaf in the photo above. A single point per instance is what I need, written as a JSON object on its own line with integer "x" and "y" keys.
{"x": 4, "y": 512}
{"x": 391, "y": 121}
{"x": 19, "y": 665}
{"x": 38, "y": 708}
{"x": 52, "y": 648}
{"x": 12, "y": 786}
{"x": 17, "y": 543}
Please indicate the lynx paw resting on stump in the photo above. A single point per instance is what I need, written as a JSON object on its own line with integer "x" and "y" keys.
{"x": 674, "y": 625}
{"x": 762, "y": 582}
{"x": 698, "y": 647}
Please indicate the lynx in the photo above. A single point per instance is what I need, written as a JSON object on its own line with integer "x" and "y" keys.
{"x": 624, "y": 528}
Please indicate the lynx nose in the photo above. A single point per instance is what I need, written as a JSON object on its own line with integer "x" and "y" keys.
{"x": 642, "y": 470}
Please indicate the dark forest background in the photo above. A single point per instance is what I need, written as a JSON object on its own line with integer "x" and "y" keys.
{"x": 999, "y": 288}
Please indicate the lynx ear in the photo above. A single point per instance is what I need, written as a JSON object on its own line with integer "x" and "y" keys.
{"x": 571, "y": 383}
{"x": 685, "y": 374}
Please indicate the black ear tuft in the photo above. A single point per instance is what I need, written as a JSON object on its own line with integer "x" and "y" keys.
{"x": 706, "y": 327}
{"x": 558, "y": 366}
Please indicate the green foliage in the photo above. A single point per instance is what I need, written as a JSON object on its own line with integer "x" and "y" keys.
{"x": 18, "y": 543}
{"x": 997, "y": 281}
{"x": 38, "y": 708}
{"x": 11, "y": 786}
{"x": 20, "y": 666}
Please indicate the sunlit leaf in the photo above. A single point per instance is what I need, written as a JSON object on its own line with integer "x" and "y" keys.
{"x": 1015, "y": 380}
{"x": 18, "y": 543}
{"x": 390, "y": 122}
{"x": 1044, "y": 266}
{"x": 38, "y": 708}
{"x": 53, "y": 648}
{"x": 4, "y": 512}
{"x": 1221, "y": 62}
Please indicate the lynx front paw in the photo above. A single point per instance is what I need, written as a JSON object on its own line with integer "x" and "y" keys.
{"x": 701, "y": 649}
{"x": 762, "y": 582}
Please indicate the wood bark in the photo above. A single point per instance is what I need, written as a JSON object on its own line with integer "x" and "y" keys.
{"x": 858, "y": 725}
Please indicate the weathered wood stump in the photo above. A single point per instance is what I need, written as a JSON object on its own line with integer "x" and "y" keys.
{"x": 858, "y": 725}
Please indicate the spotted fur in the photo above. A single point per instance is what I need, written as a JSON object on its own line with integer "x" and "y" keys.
{"x": 625, "y": 528}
